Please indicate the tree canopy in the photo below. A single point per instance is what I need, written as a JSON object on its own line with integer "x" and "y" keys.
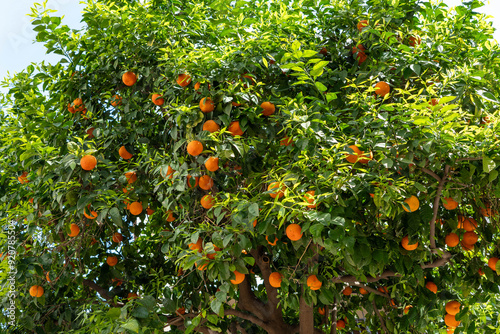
{"x": 255, "y": 166}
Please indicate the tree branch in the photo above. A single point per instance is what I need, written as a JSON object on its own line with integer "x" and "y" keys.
{"x": 253, "y": 319}
{"x": 379, "y": 316}
{"x": 249, "y": 302}
{"x": 265, "y": 268}
{"x": 372, "y": 290}
{"x": 469, "y": 159}
{"x": 333, "y": 329}
{"x": 431, "y": 173}
{"x": 436, "y": 206}
{"x": 101, "y": 291}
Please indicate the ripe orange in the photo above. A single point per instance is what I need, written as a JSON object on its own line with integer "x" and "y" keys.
{"x": 407, "y": 309}
{"x": 71, "y": 109}
{"x": 492, "y": 262}
{"x": 88, "y": 162}
{"x": 90, "y": 132}
{"x": 111, "y": 261}
{"x": 195, "y": 148}
{"x": 449, "y": 203}
{"x": 310, "y": 199}
{"x": 212, "y": 164}
{"x": 414, "y": 40}
{"x": 23, "y": 178}
{"x": 194, "y": 183}
{"x": 197, "y": 246}
{"x": 170, "y": 216}
{"x": 294, "y": 232}
{"x": 452, "y": 307}
{"x": 383, "y": 289}
{"x": 183, "y": 80}
{"x": 170, "y": 172}
{"x": 466, "y": 247}
{"x": 116, "y": 100}
{"x": 78, "y": 105}
{"x": 157, "y": 99}
{"x": 135, "y": 208}
{"x": 321, "y": 310}
{"x": 468, "y": 224}
{"x": 272, "y": 243}
{"x": 92, "y": 215}
{"x": 207, "y": 201}
{"x": 480, "y": 271}
{"x": 347, "y": 291}
{"x": 469, "y": 238}
{"x": 206, "y": 182}
{"x": 286, "y": 141}
{"x": 451, "y": 321}
{"x": 129, "y": 78}
{"x": 181, "y": 310}
{"x": 412, "y": 202}
{"x": 36, "y": 291}
{"x": 363, "y": 291}
{"x": 268, "y": 107}
{"x": 279, "y": 193}
{"x": 211, "y": 126}
{"x": 117, "y": 237}
{"x": 150, "y": 211}
{"x": 132, "y": 295}
{"x": 275, "y": 279}
{"x": 48, "y": 277}
{"x": 234, "y": 129}
{"x": 207, "y": 105}
{"x": 131, "y": 177}
{"x": 431, "y": 286}
{"x": 362, "y": 24}
{"x": 487, "y": 211}
{"x": 358, "y": 156}
{"x": 313, "y": 282}
{"x": 382, "y": 88}
{"x": 361, "y": 55}
{"x": 451, "y": 240}
{"x": 405, "y": 243}
{"x": 340, "y": 324}
{"x": 239, "y": 277}
{"x": 75, "y": 230}
{"x": 124, "y": 153}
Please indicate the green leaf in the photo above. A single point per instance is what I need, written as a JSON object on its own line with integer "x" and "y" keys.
{"x": 148, "y": 302}
{"x": 216, "y": 305}
{"x": 415, "y": 68}
{"x": 227, "y": 240}
{"x": 116, "y": 217}
{"x": 264, "y": 61}
{"x": 132, "y": 325}
{"x": 114, "y": 313}
{"x": 488, "y": 164}
{"x": 253, "y": 210}
{"x": 387, "y": 163}
{"x": 140, "y": 312}
{"x": 320, "y": 86}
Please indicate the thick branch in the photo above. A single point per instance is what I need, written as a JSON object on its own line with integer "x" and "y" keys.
{"x": 101, "y": 291}
{"x": 333, "y": 330}
{"x": 265, "y": 268}
{"x": 436, "y": 206}
{"x": 306, "y": 316}
{"x": 249, "y": 302}
{"x": 469, "y": 159}
{"x": 249, "y": 317}
{"x": 379, "y": 316}
{"x": 431, "y": 173}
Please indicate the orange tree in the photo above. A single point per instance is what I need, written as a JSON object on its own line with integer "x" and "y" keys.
{"x": 255, "y": 166}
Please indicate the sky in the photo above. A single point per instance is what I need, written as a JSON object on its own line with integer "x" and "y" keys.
{"x": 17, "y": 36}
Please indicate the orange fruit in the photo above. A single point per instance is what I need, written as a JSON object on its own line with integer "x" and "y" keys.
{"x": 321, "y": 310}
{"x": 117, "y": 280}
{"x": 111, "y": 261}
{"x": 272, "y": 243}
{"x": 195, "y": 148}
{"x": 431, "y": 286}
{"x": 468, "y": 224}
{"x": 239, "y": 277}
{"x": 235, "y": 104}
{"x": 310, "y": 199}
{"x": 234, "y": 129}
{"x": 183, "y": 80}
{"x": 117, "y": 237}
{"x": 170, "y": 216}
{"x": 407, "y": 309}
{"x": 157, "y": 99}
{"x": 75, "y": 230}
{"x": 36, "y": 291}
{"x": 487, "y": 211}
{"x": 405, "y": 243}
{"x": 132, "y": 295}
{"x": 363, "y": 291}
{"x": 268, "y": 107}
{"x": 294, "y": 232}
{"x": 275, "y": 279}
{"x": 135, "y": 208}
{"x": 340, "y": 324}
{"x": 480, "y": 271}
{"x": 48, "y": 277}
{"x": 190, "y": 183}
{"x": 383, "y": 289}
{"x": 361, "y": 55}
{"x": 92, "y": 215}
{"x": 347, "y": 291}
{"x": 451, "y": 321}
{"x": 358, "y": 156}
{"x": 124, "y": 153}
{"x": 71, "y": 109}
{"x": 23, "y": 178}
{"x": 412, "y": 202}
{"x": 361, "y": 24}
{"x": 469, "y": 238}
{"x": 450, "y": 330}
{"x": 449, "y": 203}
{"x": 207, "y": 105}
{"x": 212, "y": 164}
{"x": 207, "y": 201}
{"x": 279, "y": 193}
{"x": 313, "y": 282}
{"x": 131, "y": 177}
{"x": 451, "y": 240}
{"x": 414, "y": 40}
{"x": 254, "y": 223}
{"x": 116, "y": 100}
{"x": 150, "y": 211}
{"x": 211, "y": 126}
{"x": 78, "y": 105}
{"x": 129, "y": 78}
{"x": 90, "y": 132}
{"x": 197, "y": 85}
{"x": 492, "y": 262}
{"x": 452, "y": 307}
{"x": 382, "y": 88}
{"x": 286, "y": 141}
{"x": 88, "y": 162}
{"x": 181, "y": 310}
{"x": 206, "y": 182}
{"x": 196, "y": 246}
{"x": 170, "y": 172}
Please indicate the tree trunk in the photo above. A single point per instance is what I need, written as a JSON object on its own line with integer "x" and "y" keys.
{"x": 306, "y": 317}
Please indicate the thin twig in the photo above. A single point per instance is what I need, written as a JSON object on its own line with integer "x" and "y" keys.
{"x": 382, "y": 324}
{"x": 305, "y": 250}
{"x": 436, "y": 206}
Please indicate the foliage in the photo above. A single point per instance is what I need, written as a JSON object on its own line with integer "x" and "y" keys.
{"x": 434, "y": 136}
